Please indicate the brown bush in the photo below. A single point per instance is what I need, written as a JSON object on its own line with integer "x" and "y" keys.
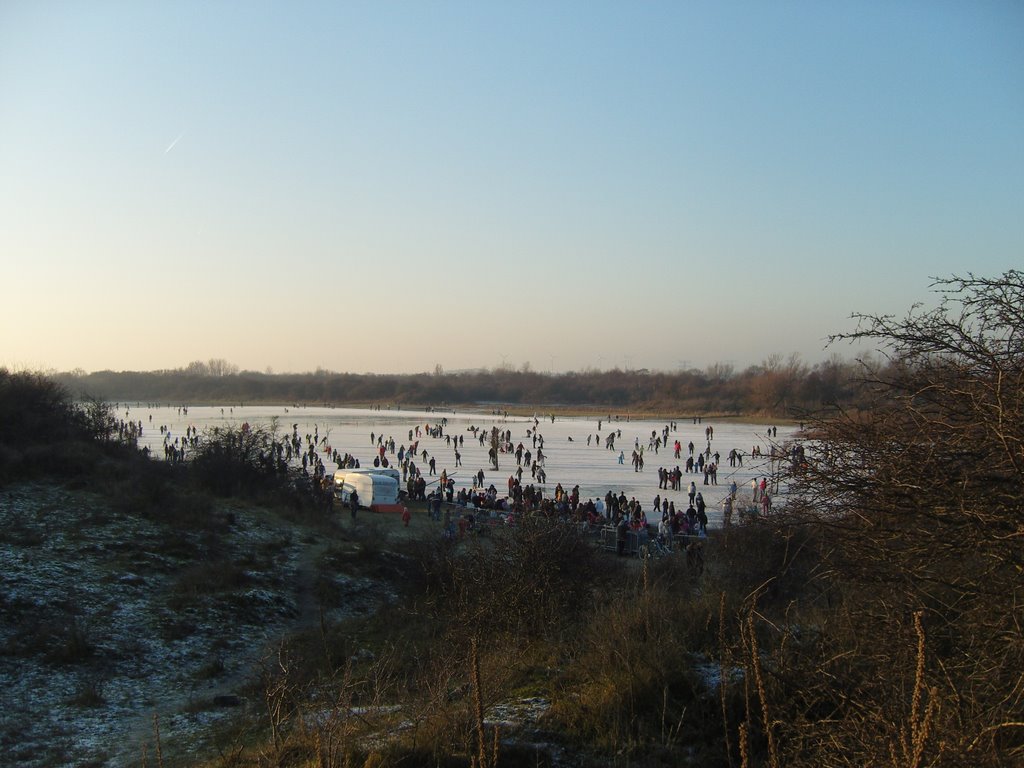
{"x": 915, "y": 503}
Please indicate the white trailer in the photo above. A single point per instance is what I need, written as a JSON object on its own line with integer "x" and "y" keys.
{"x": 388, "y": 471}
{"x": 375, "y": 490}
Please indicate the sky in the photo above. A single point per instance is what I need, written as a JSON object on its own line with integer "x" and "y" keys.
{"x": 390, "y": 187}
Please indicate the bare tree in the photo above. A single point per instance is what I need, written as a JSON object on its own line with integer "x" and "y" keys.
{"x": 218, "y": 366}
{"x": 917, "y": 500}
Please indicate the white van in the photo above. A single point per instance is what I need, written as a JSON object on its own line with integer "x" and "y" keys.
{"x": 376, "y": 490}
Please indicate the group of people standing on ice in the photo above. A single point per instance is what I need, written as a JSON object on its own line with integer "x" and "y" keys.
{"x": 529, "y": 452}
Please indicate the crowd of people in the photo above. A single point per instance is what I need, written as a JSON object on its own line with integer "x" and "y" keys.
{"x": 516, "y": 497}
{"x": 432, "y": 456}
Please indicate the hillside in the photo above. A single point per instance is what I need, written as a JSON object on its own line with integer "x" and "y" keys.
{"x": 127, "y": 634}
{"x": 874, "y": 619}
{"x": 110, "y": 617}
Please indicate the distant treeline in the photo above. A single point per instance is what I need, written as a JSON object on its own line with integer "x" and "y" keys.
{"x": 776, "y": 387}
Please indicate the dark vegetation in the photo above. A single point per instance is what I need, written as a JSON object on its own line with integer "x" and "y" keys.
{"x": 876, "y": 619}
{"x": 917, "y": 507}
{"x": 775, "y": 387}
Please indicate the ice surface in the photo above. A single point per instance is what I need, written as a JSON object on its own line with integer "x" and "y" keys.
{"x": 569, "y": 462}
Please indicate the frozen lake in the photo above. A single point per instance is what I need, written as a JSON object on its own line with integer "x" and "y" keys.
{"x": 567, "y": 461}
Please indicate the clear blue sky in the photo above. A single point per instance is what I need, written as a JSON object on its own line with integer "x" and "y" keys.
{"x": 387, "y": 187}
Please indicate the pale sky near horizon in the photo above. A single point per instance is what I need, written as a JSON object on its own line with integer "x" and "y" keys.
{"x": 391, "y": 186}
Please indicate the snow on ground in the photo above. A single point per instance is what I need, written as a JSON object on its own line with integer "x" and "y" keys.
{"x": 92, "y": 647}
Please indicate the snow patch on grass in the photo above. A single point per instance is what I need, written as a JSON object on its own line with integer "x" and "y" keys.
{"x": 96, "y": 637}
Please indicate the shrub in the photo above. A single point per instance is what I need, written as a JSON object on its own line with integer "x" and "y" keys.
{"x": 916, "y": 506}
{"x": 527, "y": 581}
{"x": 239, "y": 461}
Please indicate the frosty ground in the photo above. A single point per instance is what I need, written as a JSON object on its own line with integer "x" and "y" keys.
{"x": 106, "y": 623}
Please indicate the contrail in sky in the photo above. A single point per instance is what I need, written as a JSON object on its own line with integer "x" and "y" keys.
{"x": 171, "y": 145}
